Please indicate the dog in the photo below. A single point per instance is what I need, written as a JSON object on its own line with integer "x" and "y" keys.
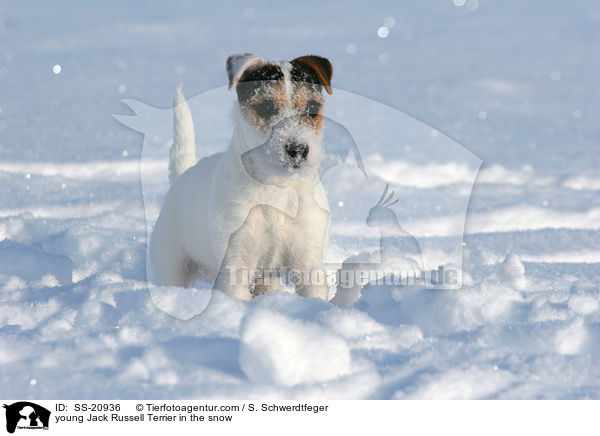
{"x": 259, "y": 205}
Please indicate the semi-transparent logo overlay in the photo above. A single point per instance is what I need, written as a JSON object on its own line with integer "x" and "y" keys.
{"x": 397, "y": 189}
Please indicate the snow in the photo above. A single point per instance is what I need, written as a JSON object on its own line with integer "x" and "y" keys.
{"x": 77, "y": 319}
{"x": 278, "y": 350}
{"x": 513, "y": 272}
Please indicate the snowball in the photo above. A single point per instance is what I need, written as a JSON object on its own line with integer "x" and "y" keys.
{"x": 279, "y": 350}
{"x": 584, "y": 304}
{"x": 570, "y": 339}
{"x": 513, "y": 271}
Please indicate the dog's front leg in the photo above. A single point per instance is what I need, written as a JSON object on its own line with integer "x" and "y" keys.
{"x": 311, "y": 281}
{"x": 234, "y": 278}
{"x": 306, "y": 262}
{"x": 238, "y": 270}
{"x": 237, "y": 273}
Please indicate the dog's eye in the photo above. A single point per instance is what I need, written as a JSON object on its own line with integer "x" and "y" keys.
{"x": 313, "y": 107}
{"x": 266, "y": 109}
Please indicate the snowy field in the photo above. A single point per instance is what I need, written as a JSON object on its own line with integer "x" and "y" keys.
{"x": 514, "y": 84}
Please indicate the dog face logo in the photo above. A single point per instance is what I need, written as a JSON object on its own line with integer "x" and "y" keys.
{"x": 26, "y": 415}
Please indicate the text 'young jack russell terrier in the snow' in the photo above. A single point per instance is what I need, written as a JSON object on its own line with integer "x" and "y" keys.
{"x": 260, "y": 204}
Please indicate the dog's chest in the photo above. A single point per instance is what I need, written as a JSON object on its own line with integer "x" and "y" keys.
{"x": 276, "y": 227}
{"x": 278, "y": 234}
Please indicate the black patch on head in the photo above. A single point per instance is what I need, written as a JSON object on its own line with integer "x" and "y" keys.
{"x": 312, "y": 108}
{"x": 266, "y": 108}
{"x": 303, "y": 73}
{"x": 314, "y": 70}
{"x": 254, "y": 78}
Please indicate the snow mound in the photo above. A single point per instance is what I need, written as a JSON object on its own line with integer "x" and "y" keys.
{"x": 182, "y": 303}
{"x": 584, "y": 303}
{"x": 276, "y": 349}
{"x": 570, "y": 339}
{"x": 513, "y": 271}
{"x": 460, "y": 384}
{"x": 30, "y": 264}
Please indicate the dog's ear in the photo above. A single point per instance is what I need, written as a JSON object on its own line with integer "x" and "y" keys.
{"x": 313, "y": 69}
{"x": 238, "y": 63}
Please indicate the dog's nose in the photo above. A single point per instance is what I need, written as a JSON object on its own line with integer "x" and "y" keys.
{"x": 296, "y": 151}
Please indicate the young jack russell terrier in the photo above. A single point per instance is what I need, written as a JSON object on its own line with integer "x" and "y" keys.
{"x": 259, "y": 205}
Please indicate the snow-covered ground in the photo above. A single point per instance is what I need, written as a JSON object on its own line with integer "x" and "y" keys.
{"x": 515, "y": 83}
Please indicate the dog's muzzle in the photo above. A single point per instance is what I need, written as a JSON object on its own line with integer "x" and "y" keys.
{"x": 297, "y": 153}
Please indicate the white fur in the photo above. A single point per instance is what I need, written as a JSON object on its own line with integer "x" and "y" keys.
{"x": 239, "y": 209}
{"x": 183, "y": 149}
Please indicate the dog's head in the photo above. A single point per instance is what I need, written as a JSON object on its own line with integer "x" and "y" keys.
{"x": 280, "y": 110}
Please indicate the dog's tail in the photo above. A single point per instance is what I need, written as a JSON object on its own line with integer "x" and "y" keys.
{"x": 183, "y": 149}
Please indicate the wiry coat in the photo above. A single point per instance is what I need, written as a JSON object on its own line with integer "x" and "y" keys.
{"x": 260, "y": 204}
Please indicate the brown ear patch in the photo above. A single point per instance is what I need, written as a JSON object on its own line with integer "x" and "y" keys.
{"x": 312, "y": 69}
